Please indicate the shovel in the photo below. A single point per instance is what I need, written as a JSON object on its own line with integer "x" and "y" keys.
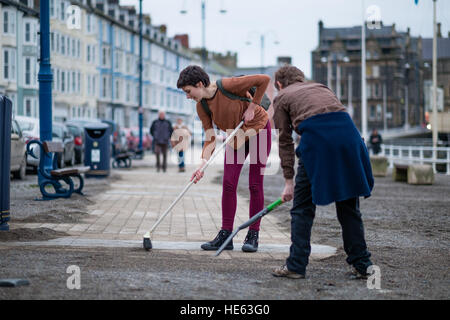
{"x": 252, "y": 220}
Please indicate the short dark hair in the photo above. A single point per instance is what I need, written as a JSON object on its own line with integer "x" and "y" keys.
{"x": 288, "y": 75}
{"x": 191, "y": 75}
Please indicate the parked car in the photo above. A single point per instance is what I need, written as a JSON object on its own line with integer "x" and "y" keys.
{"x": 61, "y": 133}
{"x": 76, "y": 128}
{"x": 30, "y": 131}
{"x": 146, "y": 138}
{"x": 132, "y": 140}
{"x": 18, "y": 152}
{"x": 118, "y": 142}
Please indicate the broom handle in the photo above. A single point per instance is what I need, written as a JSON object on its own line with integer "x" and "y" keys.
{"x": 202, "y": 169}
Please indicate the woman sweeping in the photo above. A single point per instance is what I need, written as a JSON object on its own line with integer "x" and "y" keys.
{"x": 214, "y": 106}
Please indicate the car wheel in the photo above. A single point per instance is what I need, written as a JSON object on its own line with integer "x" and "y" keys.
{"x": 61, "y": 163}
{"x": 72, "y": 160}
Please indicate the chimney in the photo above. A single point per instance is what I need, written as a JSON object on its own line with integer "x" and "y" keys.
{"x": 439, "y": 34}
{"x": 184, "y": 39}
{"x": 320, "y": 30}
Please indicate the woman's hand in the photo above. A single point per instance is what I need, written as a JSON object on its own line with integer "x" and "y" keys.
{"x": 249, "y": 114}
{"x": 288, "y": 192}
{"x": 198, "y": 174}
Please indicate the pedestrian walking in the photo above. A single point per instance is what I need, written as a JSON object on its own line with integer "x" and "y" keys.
{"x": 254, "y": 138}
{"x": 180, "y": 142}
{"x": 333, "y": 166}
{"x": 161, "y": 130}
{"x": 375, "y": 141}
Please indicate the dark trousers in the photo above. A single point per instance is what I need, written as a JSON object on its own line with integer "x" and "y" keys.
{"x": 302, "y": 217}
{"x": 161, "y": 148}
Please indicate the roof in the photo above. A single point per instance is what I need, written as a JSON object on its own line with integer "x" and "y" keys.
{"x": 355, "y": 32}
{"x": 443, "y": 48}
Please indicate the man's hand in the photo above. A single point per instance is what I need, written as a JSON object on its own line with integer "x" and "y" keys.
{"x": 198, "y": 174}
{"x": 249, "y": 114}
{"x": 288, "y": 192}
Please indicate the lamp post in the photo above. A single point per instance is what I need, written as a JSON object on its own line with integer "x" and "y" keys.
{"x": 140, "y": 107}
{"x": 407, "y": 67}
{"x": 363, "y": 76}
{"x": 434, "y": 116}
{"x": 203, "y": 7}
{"x": 262, "y": 39}
{"x": 45, "y": 78}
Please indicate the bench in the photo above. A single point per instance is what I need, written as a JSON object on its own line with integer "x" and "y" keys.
{"x": 54, "y": 176}
{"x": 122, "y": 160}
{"x": 419, "y": 174}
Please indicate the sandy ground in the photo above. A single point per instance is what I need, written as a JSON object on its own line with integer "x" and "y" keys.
{"x": 407, "y": 231}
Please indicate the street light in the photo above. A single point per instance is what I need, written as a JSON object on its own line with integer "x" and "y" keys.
{"x": 407, "y": 67}
{"x": 262, "y": 43}
{"x": 203, "y": 3}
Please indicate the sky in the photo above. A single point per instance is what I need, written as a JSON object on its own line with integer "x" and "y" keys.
{"x": 291, "y": 23}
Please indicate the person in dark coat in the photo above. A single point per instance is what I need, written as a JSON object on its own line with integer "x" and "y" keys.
{"x": 161, "y": 130}
{"x": 375, "y": 142}
{"x": 333, "y": 166}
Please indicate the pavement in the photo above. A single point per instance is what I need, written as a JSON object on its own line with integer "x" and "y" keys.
{"x": 121, "y": 215}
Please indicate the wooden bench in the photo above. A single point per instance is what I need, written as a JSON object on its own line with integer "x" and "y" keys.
{"x": 122, "y": 160}
{"x": 54, "y": 175}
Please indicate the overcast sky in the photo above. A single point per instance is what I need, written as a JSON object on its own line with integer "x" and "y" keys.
{"x": 293, "y": 23}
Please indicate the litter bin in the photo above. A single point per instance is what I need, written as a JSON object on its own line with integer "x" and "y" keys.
{"x": 97, "y": 149}
{"x": 5, "y": 160}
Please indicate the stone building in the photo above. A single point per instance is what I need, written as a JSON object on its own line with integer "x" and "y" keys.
{"x": 394, "y": 73}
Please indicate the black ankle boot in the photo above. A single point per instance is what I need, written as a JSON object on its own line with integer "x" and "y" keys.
{"x": 251, "y": 241}
{"x": 218, "y": 241}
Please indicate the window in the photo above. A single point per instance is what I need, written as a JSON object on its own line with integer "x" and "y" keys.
{"x": 52, "y": 9}
{"x": 27, "y": 71}
{"x": 372, "y": 113}
{"x": 52, "y": 41}
{"x": 63, "y": 11}
{"x": 9, "y": 64}
{"x": 30, "y": 106}
{"x": 376, "y": 71}
{"x": 127, "y": 92}
{"x": 88, "y": 53}
{"x": 74, "y": 82}
{"x": 27, "y": 32}
{"x": 63, "y": 45}
{"x": 57, "y": 43}
{"x": 117, "y": 89}
{"x": 105, "y": 56}
{"x": 9, "y": 22}
{"x": 63, "y": 81}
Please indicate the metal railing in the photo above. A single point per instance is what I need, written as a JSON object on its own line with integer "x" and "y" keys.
{"x": 439, "y": 156}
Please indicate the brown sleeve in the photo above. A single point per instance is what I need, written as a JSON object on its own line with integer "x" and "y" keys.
{"x": 210, "y": 136}
{"x": 240, "y": 85}
{"x": 283, "y": 123}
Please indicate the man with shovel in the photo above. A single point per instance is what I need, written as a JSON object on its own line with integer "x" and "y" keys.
{"x": 333, "y": 166}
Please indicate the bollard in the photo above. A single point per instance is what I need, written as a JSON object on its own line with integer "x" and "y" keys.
{"x": 5, "y": 160}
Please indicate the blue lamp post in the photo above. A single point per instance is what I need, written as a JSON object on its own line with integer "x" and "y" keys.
{"x": 140, "y": 109}
{"x": 45, "y": 78}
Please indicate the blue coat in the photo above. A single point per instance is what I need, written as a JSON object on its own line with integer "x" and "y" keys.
{"x": 335, "y": 158}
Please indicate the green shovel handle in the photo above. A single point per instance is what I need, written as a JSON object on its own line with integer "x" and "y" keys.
{"x": 274, "y": 204}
